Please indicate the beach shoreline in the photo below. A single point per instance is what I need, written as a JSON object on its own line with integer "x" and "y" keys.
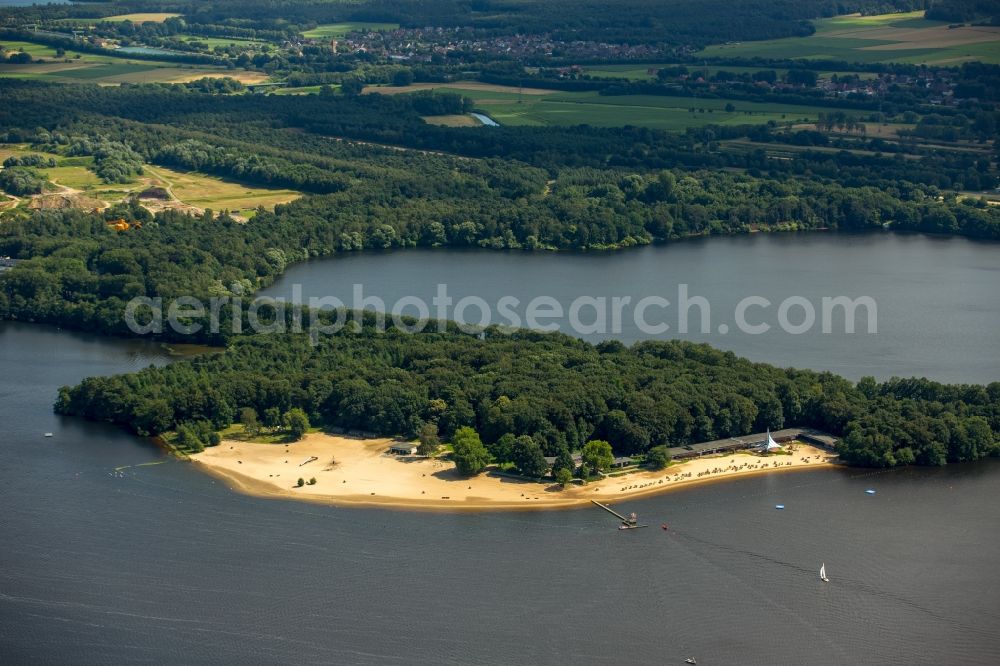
{"x": 360, "y": 473}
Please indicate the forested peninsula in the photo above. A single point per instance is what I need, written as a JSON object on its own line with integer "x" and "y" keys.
{"x": 381, "y": 177}
{"x": 558, "y": 391}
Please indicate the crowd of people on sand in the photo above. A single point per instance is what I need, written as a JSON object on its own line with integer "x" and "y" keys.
{"x": 732, "y": 467}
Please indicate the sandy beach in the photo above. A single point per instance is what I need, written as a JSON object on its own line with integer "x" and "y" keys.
{"x": 360, "y": 472}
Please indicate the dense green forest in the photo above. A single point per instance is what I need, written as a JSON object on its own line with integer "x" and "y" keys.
{"x": 559, "y": 391}
{"x": 79, "y": 272}
{"x": 378, "y": 175}
{"x": 267, "y": 140}
{"x": 575, "y": 188}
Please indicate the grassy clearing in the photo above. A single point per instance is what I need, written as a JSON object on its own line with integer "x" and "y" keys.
{"x": 906, "y": 37}
{"x": 202, "y": 191}
{"x": 77, "y": 177}
{"x": 20, "y": 149}
{"x": 304, "y": 90}
{"x": 238, "y": 433}
{"x": 140, "y": 17}
{"x": 338, "y": 30}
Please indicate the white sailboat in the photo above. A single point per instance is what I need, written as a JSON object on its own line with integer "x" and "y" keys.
{"x": 822, "y": 573}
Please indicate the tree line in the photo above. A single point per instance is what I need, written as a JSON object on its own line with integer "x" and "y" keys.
{"x": 527, "y": 394}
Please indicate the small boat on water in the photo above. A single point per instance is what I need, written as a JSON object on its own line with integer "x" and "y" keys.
{"x": 48, "y": 434}
{"x": 690, "y": 660}
{"x": 822, "y": 573}
{"x": 779, "y": 506}
{"x": 870, "y": 491}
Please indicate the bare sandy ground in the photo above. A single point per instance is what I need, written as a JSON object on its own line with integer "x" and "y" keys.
{"x": 357, "y": 472}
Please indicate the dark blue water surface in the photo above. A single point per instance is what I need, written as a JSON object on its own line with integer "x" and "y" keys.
{"x": 163, "y": 564}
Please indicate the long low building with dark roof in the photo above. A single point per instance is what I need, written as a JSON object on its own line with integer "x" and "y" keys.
{"x": 808, "y": 435}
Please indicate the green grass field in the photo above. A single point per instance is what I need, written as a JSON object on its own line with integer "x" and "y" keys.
{"x": 634, "y": 72}
{"x": 904, "y": 37}
{"x": 191, "y": 189}
{"x": 212, "y": 42}
{"x": 205, "y": 191}
{"x": 304, "y": 90}
{"x": 105, "y": 70}
{"x": 338, "y": 30}
{"x": 77, "y": 67}
{"x": 508, "y": 107}
{"x": 669, "y": 113}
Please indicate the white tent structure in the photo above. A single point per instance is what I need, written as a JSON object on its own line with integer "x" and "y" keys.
{"x": 769, "y": 444}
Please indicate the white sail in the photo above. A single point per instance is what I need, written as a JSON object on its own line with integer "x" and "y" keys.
{"x": 822, "y": 573}
{"x": 769, "y": 444}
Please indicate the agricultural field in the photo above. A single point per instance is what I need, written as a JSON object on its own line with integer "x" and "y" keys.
{"x": 76, "y": 67}
{"x": 141, "y": 17}
{"x": 457, "y": 120}
{"x": 303, "y": 90}
{"x": 212, "y": 42}
{"x": 906, "y": 37}
{"x": 646, "y": 72}
{"x": 532, "y": 107}
{"x": 338, "y": 30}
{"x": 642, "y": 72}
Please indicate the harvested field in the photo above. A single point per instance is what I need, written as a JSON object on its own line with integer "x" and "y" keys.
{"x": 457, "y": 120}
{"x": 140, "y": 17}
{"x": 906, "y": 37}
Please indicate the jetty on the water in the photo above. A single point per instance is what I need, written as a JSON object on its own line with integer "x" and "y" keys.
{"x": 630, "y": 523}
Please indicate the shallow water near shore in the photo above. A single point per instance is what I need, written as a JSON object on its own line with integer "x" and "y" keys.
{"x": 106, "y": 560}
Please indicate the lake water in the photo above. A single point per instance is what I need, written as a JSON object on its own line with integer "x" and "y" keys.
{"x": 28, "y": 3}
{"x": 937, "y": 299}
{"x": 146, "y": 50}
{"x": 162, "y": 564}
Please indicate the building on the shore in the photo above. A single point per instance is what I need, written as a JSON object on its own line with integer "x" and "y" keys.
{"x": 621, "y": 461}
{"x": 403, "y": 449}
{"x": 808, "y": 435}
{"x": 577, "y": 460}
